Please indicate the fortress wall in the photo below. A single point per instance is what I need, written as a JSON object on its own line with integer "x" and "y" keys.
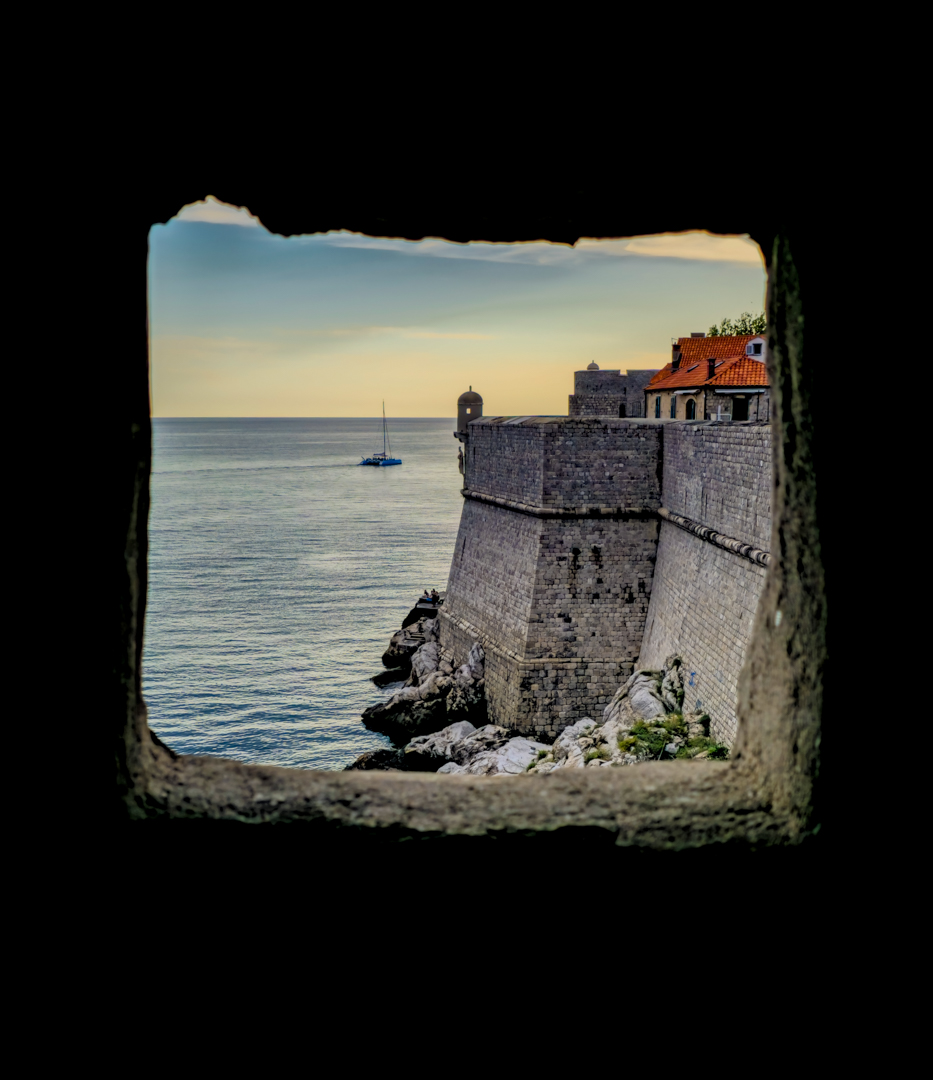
{"x": 702, "y": 607}
{"x": 555, "y": 584}
{"x": 504, "y": 460}
{"x": 720, "y": 475}
{"x": 601, "y": 393}
{"x": 592, "y": 587}
{"x": 704, "y": 598}
{"x": 606, "y": 381}
{"x": 602, "y": 465}
{"x": 606, "y": 405}
{"x": 492, "y": 574}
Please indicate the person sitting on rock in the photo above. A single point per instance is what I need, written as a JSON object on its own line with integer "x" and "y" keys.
{"x": 435, "y": 596}
{"x": 426, "y": 595}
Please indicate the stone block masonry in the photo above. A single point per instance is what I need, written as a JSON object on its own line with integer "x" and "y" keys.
{"x": 719, "y": 474}
{"x": 609, "y": 393}
{"x": 704, "y": 598}
{"x": 568, "y": 572}
{"x": 702, "y": 607}
{"x": 554, "y": 561}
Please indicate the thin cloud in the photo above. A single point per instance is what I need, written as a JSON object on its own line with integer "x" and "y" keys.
{"x": 534, "y": 252}
{"x": 217, "y": 213}
{"x": 693, "y": 245}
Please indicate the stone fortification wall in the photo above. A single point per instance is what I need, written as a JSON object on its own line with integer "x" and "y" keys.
{"x": 494, "y": 566}
{"x": 503, "y": 457}
{"x": 704, "y": 597}
{"x": 609, "y": 393}
{"x": 553, "y": 565}
{"x": 587, "y": 547}
{"x": 720, "y": 476}
{"x": 606, "y": 405}
{"x": 558, "y": 462}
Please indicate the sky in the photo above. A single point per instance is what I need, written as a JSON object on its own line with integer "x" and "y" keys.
{"x": 243, "y": 322}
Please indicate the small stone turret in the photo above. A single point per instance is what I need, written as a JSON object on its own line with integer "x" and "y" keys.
{"x": 469, "y": 407}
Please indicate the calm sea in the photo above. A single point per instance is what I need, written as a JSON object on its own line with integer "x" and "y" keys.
{"x": 278, "y": 571}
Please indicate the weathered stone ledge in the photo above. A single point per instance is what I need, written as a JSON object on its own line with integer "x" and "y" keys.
{"x": 727, "y": 543}
{"x": 671, "y": 805}
{"x": 619, "y": 513}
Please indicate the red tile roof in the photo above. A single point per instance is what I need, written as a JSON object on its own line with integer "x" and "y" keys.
{"x": 743, "y": 371}
{"x": 693, "y": 369}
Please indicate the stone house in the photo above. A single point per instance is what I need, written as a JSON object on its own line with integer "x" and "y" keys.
{"x": 716, "y": 378}
{"x": 609, "y": 392}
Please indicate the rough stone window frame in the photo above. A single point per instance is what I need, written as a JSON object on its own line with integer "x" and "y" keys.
{"x": 765, "y": 795}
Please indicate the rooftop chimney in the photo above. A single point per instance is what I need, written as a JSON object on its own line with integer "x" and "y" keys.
{"x": 675, "y": 357}
{"x": 711, "y": 367}
{"x": 698, "y": 335}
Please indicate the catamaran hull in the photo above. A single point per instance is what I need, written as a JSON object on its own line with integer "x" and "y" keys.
{"x": 396, "y": 461}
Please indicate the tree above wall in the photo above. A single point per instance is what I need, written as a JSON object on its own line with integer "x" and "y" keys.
{"x": 746, "y": 323}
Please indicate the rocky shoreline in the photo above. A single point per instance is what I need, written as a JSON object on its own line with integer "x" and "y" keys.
{"x": 438, "y": 722}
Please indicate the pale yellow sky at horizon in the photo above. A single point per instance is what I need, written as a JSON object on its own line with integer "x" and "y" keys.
{"x": 247, "y": 324}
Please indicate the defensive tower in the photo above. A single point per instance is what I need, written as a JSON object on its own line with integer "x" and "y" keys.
{"x": 469, "y": 408}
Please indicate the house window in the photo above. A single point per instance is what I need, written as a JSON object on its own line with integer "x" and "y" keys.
{"x": 657, "y": 406}
{"x": 753, "y": 349}
{"x": 691, "y": 409}
{"x": 673, "y": 407}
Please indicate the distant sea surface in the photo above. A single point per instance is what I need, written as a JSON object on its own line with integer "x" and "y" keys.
{"x": 278, "y": 571}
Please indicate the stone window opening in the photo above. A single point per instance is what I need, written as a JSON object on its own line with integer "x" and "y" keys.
{"x": 763, "y": 796}
{"x": 691, "y": 411}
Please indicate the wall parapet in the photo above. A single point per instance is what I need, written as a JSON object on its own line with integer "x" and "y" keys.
{"x": 727, "y": 543}
{"x": 564, "y": 462}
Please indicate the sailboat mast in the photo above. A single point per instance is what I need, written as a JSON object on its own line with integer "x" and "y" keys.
{"x": 383, "y": 429}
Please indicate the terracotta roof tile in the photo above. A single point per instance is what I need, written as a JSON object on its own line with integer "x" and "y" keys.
{"x": 698, "y": 350}
{"x": 743, "y": 371}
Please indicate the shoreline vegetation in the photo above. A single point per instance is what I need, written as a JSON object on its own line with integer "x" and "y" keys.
{"x": 438, "y": 721}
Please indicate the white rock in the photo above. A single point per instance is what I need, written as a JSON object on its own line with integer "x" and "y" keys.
{"x": 423, "y": 662}
{"x": 477, "y": 661}
{"x": 574, "y": 759}
{"x": 435, "y": 685}
{"x": 644, "y": 692}
{"x": 513, "y": 757}
{"x": 407, "y": 693}
{"x": 439, "y": 743}
{"x": 450, "y": 768}
{"x": 566, "y": 745}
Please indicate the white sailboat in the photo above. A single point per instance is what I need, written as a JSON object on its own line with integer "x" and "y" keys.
{"x": 385, "y": 458}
